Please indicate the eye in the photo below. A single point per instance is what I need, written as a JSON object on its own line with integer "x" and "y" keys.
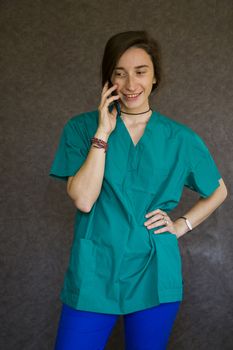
{"x": 119, "y": 74}
{"x": 141, "y": 72}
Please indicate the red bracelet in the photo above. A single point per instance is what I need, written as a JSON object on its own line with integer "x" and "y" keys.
{"x": 98, "y": 143}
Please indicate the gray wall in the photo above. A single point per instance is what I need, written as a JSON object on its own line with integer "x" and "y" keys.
{"x": 51, "y": 53}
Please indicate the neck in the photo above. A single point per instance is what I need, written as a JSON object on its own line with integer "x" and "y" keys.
{"x": 135, "y": 119}
{"x": 144, "y": 108}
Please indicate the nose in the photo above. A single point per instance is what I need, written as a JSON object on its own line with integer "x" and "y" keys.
{"x": 130, "y": 83}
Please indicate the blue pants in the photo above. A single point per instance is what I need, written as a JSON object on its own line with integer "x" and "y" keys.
{"x": 147, "y": 329}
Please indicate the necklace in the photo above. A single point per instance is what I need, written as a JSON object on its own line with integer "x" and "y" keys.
{"x": 137, "y": 113}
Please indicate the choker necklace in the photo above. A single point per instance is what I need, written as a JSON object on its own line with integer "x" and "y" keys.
{"x": 137, "y": 113}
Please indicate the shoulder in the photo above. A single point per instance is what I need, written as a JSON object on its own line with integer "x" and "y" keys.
{"x": 178, "y": 130}
{"x": 83, "y": 119}
{"x": 83, "y": 124}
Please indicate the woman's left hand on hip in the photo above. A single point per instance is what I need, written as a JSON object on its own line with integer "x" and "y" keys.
{"x": 159, "y": 217}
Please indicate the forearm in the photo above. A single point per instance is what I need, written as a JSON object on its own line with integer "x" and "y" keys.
{"x": 203, "y": 208}
{"x": 87, "y": 182}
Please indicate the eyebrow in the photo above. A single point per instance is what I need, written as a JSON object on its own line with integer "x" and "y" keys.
{"x": 142, "y": 66}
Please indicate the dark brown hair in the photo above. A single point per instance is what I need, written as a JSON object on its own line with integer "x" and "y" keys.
{"x": 120, "y": 42}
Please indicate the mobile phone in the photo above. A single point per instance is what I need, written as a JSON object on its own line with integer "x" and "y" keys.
{"x": 114, "y": 103}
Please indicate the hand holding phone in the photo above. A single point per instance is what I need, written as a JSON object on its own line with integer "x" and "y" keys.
{"x": 115, "y": 102}
{"x": 109, "y": 108}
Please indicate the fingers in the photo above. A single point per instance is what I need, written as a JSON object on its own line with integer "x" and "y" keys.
{"x": 107, "y": 98}
{"x": 155, "y": 222}
{"x": 107, "y": 91}
{"x": 157, "y": 215}
{"x": 165, "y": 229}
{"x": 157, "y": 218}
{"x": 155, "y": 212}
{"x": 105, "y": 87}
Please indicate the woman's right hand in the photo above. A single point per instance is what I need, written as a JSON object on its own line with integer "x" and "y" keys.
{"x": 107, "y": 120}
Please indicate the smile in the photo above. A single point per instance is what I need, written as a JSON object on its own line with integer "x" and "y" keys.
{"x": 132, "y": 96}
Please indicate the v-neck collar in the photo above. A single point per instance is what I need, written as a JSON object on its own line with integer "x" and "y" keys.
{"x": 148, "y": 127}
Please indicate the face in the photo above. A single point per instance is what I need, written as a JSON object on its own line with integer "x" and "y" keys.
{"x": 134, "y": 75}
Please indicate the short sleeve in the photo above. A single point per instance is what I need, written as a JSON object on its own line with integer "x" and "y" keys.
{"x": 71, "y": 152}
{"x": 202, "y": 175}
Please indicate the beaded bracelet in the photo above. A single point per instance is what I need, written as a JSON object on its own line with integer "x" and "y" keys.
{"x": 98, "y": 143}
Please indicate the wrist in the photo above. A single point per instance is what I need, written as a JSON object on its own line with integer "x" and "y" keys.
{"x": 181, "y": 227}
{"x": 101, "y": 134}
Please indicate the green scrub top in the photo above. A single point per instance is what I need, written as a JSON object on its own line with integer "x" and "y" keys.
{"x": 117, "y": 265}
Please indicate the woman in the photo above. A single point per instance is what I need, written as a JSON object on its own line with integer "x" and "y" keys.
{"x": 126, "y": 167}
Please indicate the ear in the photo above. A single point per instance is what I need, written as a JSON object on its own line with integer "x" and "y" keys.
{"x": 154, "y": 80}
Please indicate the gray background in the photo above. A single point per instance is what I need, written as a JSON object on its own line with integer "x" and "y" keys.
{"x": 51, "y": 52}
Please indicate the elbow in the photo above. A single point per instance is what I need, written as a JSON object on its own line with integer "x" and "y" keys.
{"x": 225, "y": 194}
{"x": 80, "y": 200}
{"x": 82, "y": 206}
{"x": 224, "y": 191}
{"x": 79, "y": 204}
